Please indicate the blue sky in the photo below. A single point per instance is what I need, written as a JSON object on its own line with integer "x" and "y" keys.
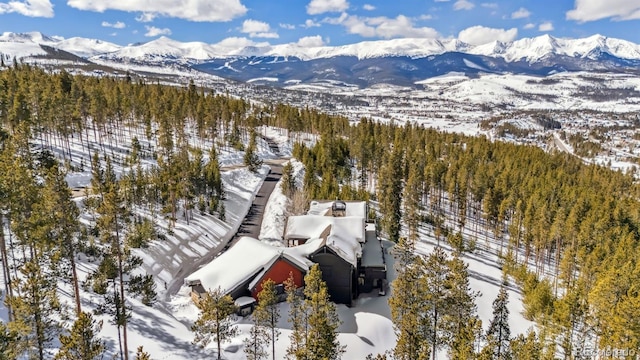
{"x": 321, "y": 22}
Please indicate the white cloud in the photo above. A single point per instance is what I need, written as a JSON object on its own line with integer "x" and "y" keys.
{"x": 591, "y": 10}
{"x": 520, "y": 13}
{"x": 546, "y": 26}
{"x": 425, "y": 17}
{"x": 368, "y": 7}
{"x": 31, "y": 8}
{"x": 258, "y": 29}
{"x": 311, "y": 41}
{"x": 310, "y": 23}
{"x": 145, "y": 17}
{"x": 253, "y": 26}
{"x": 287, "y": 26}
{"x": 116, "y": 25}
{"x": 489, "y": 5}
{"x": 529, "y": 26}
{"x": 193, "y": 10}
{"x": 322, "y": 6}
{"x": 463, "y": 5}
{"x": 154, "y": 31}
{"x": 478, "y": 35}
{"x": 382, "y": 26}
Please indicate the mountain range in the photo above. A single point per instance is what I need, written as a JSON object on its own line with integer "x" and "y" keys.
{"x": 403, "y": 62}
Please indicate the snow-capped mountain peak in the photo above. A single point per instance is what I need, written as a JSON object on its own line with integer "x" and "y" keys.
{"x": 34, "y": 36}
{"x": 403, "y": 62}
{"x": 164, "y": 48}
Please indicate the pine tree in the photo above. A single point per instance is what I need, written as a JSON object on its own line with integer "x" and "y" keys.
{"x": 81, "y": 343}
{"x": 498, "y": 335}
{"x": 407, "y": 303}
{"x": 436, "y": 302}
{"x": 254, "y": 344}
{"x": 390, "y": 193}
{"x": 298, "y": 318}
{"x": 288, "y": 182}
{"x": 322, "y": 334}
{"x": 267, "y": 313}
{"x": 65, "y": 228}
{"x": 462, "y": 325}
{"x": 526, "y": 348}
{"x": 141, "y": 354}
{"x": 9, "y": 349}
{"x": 251, "y": 159}
{"x": 216, "y": 320}
{"x": 112, "y": 222}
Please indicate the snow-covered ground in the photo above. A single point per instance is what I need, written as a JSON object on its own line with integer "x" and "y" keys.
{"x": 367, "y": 327}
{"x": 164, "y": 329}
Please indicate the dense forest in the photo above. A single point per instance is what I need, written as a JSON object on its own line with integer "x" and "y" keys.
{"x": 567, "y": 232}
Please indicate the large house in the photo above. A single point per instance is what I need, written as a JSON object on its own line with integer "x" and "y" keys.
{"x": 338, "y": 236}
{"x": 334, "y": 234}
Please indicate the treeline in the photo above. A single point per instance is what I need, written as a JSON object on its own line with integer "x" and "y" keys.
{"x": 564, "y": 229}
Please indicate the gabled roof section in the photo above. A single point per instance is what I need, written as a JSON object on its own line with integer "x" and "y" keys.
{"x": 292, "y": 257}
{"x": 241, "y": 263}
{"x": 235, "y": 266}
{"x": 343, "y": 235}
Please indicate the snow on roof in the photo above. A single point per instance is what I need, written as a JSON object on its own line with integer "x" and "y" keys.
{"x": 323, "y": 207}
{"x": 241, "y": 263}
{"x": 343, "y": 235}
{"x": 235, "y": 266}
{"x": 244, "y": 301}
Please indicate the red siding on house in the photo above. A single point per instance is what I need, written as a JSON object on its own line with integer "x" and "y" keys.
{"x": 279, "y": 272}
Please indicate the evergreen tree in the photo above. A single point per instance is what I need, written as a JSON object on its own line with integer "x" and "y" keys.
{"x": 9, "y": 349}
{"x": 437, "y": 274}
{"x": 81, "y": 343}
{"x": 498, "y": 335}
{"x": 526, "y": 347}
{"x": 390, "y": 193}
{"x": 461, "y": 322}
{"x": 251, "y": 159}
{"x": 254, "y": 344}
{"x": 322, "y": 333}
{"x": 288, "y": 182}
{"x": 141, "y": 354}
{"x": 407, "y": 304}
{"x": 215, "y": 322}
{"x": 267, "y": 314}
{"x": 111, "y": 224}
{"x": 298, "y": 318}
{"x": 65, "y": 229}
